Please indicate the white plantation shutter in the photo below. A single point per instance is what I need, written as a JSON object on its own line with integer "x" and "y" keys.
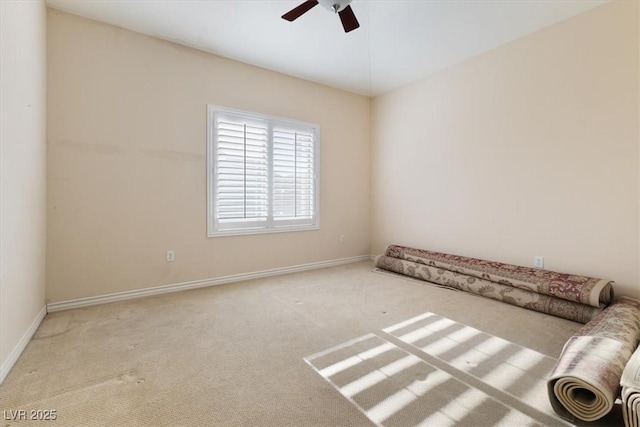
{"x": 293, "y": 176}
{"x": 263, "y": 173}
{"x": 241, "y": 171}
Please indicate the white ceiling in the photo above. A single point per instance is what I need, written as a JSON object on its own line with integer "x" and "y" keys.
{"x": 398, "y": 41}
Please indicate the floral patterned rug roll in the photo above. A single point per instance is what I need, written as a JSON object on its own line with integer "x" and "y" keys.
{"x": 585, "y": 383}
{"x": 506, "y": 293}
{"x": 571, "y": 287}
{"x": 630, "y": 383}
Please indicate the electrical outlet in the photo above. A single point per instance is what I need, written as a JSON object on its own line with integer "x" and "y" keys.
{"x": 171, "y": 256}
{"x": 342, "y": 238}
{"x": 538, "y": 262}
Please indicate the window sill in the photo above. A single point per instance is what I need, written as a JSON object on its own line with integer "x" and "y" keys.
{"x": 252, "y": 231}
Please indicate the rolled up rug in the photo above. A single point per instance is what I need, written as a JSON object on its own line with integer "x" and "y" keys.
{"x": 515, "y": 296}
{"x": 571, "y": 287}
{"x": 630, "y": 383}
{"x": 586, "y": 380}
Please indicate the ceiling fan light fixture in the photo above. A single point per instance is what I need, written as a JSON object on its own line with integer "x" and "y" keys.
{"x": 339, "y": 7}
{"x": 334, "y": 6}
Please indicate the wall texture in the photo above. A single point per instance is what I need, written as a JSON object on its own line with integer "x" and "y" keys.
{"x": 529, "y": 149}
{"x": 22, "y": 175}
{"x": 127, "y": 162}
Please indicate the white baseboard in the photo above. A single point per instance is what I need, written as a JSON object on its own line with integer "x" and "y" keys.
{"x": 22, "y": 344}
{"x": 138, "y": 293}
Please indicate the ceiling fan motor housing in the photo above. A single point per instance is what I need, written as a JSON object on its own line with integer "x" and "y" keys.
{"x": 334, "y": 5}
{"x": 339, "y": 7}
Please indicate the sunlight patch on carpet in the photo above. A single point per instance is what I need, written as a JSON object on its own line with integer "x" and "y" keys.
{"x": 393, "y": 387}
{"x": 518, "y": 371}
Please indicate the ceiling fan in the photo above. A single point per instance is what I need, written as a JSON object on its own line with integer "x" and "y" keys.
{"x": 341, "y": 7}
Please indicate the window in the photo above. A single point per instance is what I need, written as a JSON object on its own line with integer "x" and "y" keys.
{"x": 262, "y": 173}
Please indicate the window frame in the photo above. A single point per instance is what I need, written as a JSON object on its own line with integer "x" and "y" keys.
{"x": 270, "y": 225}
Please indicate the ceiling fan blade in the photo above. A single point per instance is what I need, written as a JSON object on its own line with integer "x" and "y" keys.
{"x": 297, "y": 12}
{"x": 348, "y": 18}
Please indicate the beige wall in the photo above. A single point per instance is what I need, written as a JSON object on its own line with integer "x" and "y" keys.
{"x": 22, "y": 173}
{"x": 529, "y": 149}
{"x": 126, "y": 158}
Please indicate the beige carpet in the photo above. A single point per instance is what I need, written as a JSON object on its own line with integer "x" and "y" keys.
{"x": 256, "y": 353}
